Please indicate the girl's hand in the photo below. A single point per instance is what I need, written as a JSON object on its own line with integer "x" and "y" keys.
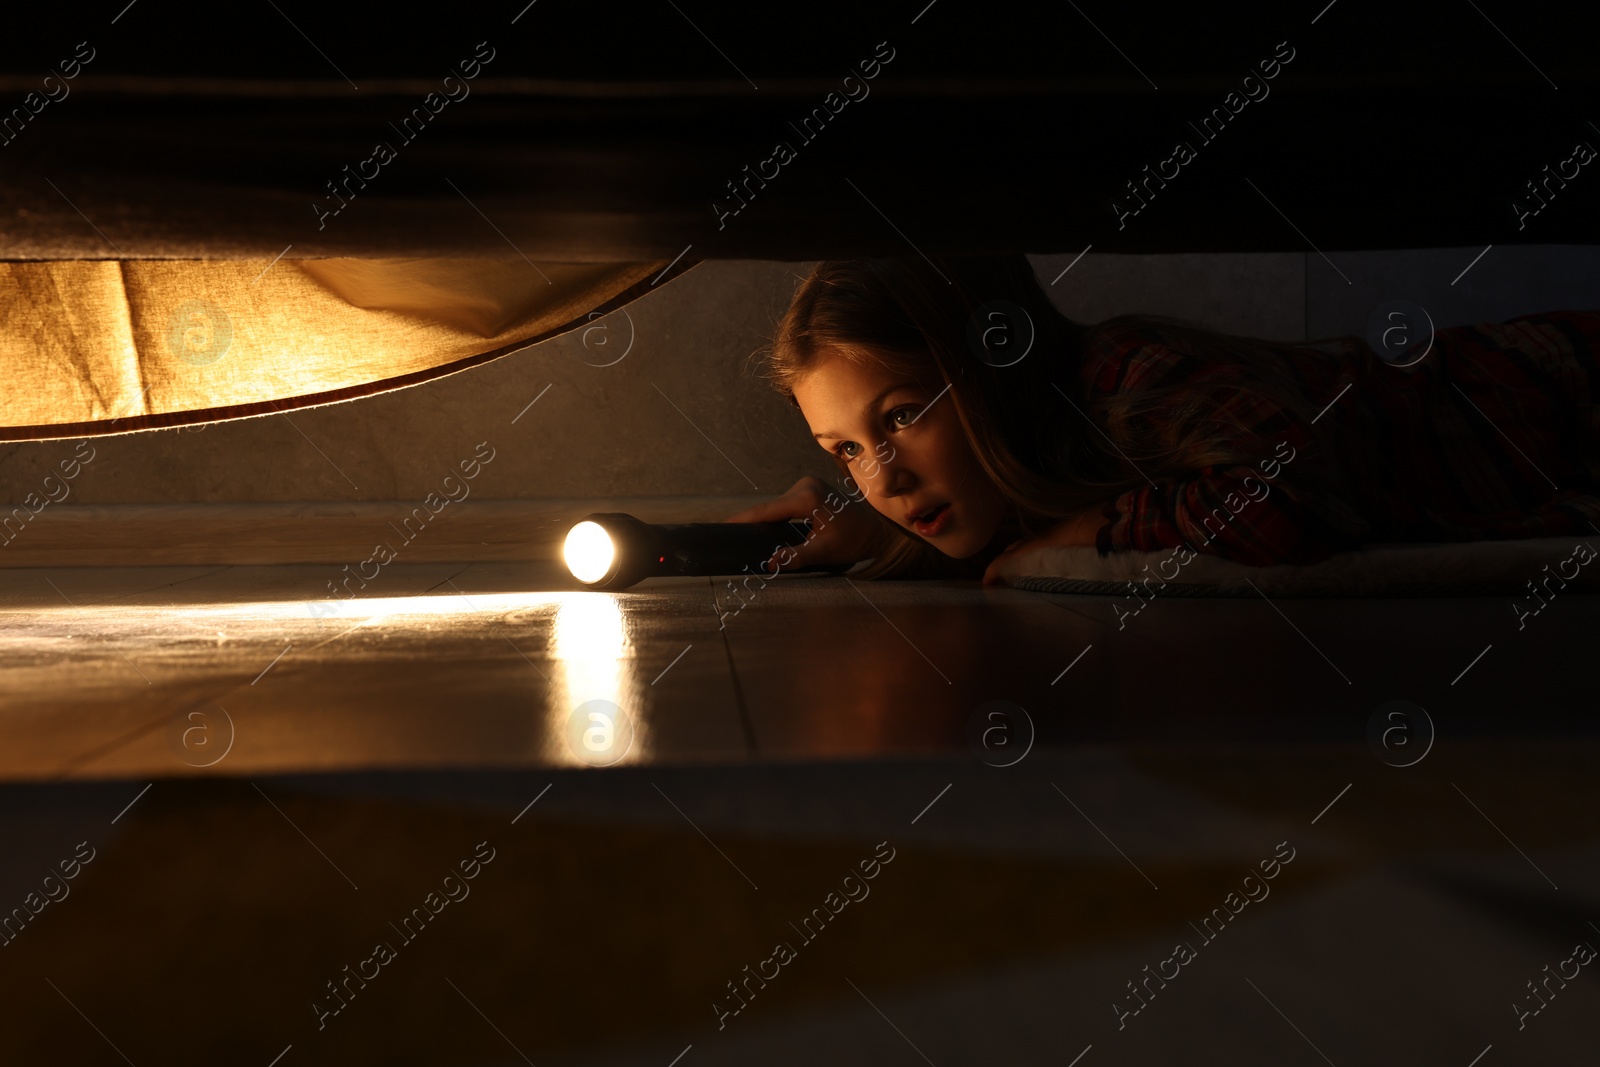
{"x": 842, "y": 531}
{"x": 1080, "y": 530}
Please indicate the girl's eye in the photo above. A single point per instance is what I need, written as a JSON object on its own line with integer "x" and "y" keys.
{"x": 909, "y": 410}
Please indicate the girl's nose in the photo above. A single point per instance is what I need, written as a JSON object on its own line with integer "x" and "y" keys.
{"x": 896, "y": 479}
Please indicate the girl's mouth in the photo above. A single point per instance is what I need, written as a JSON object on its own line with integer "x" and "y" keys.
{"x": 932, "y": 522}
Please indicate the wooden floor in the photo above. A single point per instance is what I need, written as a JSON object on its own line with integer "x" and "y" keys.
{"x": 270, "y": 780}
{"x": 161, "y": 671}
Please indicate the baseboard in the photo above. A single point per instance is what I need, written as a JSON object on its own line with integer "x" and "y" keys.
{"x": 131, "y": 535}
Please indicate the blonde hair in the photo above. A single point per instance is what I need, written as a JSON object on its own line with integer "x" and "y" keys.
{"x": 915, "y": 318}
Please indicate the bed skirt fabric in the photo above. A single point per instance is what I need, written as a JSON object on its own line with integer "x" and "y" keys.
{"x": 91, "y": 347}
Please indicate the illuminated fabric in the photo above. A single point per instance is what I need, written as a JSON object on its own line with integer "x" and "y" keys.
{"x": 107, "y": 346}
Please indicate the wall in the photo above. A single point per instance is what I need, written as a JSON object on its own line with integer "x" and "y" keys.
{"x": 682, "y": 412}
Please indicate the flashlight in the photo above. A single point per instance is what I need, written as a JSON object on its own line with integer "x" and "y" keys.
{"x": 610, "y": 550}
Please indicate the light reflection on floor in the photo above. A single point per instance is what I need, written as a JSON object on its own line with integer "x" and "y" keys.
{"x": 590, "y": 641}
{"x": 500, "y": 666}
{"x": 564, "y": 656}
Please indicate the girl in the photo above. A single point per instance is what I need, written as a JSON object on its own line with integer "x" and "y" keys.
{"x": 976, "y": 420}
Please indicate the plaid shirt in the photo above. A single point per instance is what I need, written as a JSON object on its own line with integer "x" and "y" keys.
{"x": 1492, "y": 435}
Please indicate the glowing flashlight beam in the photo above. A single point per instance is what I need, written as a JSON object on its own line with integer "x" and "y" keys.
{"x": 589, "y": 551}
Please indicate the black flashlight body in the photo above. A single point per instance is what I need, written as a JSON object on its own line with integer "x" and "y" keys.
{"x": 655, "y": 550}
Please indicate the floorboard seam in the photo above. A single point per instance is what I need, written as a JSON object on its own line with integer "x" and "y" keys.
{"x": 733, "y": 676}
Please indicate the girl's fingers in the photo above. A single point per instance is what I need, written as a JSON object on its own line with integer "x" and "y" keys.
{"x": 794, "y": 504}
{"x": 771, "y": 511}
{"x": 801, "y": 555}
{"x": 991, "y": 573}
{"x": 800, "y": 502}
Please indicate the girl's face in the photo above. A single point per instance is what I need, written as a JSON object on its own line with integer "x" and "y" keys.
{"x": 905, "y": 449}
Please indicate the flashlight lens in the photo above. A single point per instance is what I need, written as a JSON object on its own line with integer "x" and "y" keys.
{"x": 589, "y": 551}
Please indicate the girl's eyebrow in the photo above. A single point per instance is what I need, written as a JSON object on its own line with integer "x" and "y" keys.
{"x": 872, "y": 405}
